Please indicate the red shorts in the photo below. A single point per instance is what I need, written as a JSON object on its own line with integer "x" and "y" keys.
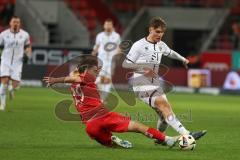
{"x": 101, "y": 128}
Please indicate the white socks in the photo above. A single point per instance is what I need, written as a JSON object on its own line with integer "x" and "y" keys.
{"x": 176, "y": 124}
{"x": 3, "y": 91}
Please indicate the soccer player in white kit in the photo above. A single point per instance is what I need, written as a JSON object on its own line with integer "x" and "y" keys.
{"x": 106, "y": 47}
{"x": 144, "y": 58}
{"x": 16, "y": 43}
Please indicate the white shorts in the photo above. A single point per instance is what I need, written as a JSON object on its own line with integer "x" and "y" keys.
{"x": 106, "y": 70}
{"x": 148, "y": 90}
{"x": 13, "y": 71}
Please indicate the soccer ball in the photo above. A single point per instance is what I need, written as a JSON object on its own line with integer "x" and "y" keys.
{"x": 187, "y": 142}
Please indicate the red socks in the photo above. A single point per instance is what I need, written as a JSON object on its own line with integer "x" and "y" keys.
{"x": 153, "y": 133}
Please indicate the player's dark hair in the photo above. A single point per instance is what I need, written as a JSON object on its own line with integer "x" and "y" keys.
{"x": 108, "y": 20}
{"x": 87, "y": 62}
{"x": 156, "y": 22}
{"x": 15, "y": 17}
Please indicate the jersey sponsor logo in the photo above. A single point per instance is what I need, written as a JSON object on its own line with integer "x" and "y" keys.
{"x": 110, "y": 46}
{"x": 155, "y": 56}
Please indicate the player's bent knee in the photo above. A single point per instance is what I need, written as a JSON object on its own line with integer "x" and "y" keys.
{"x": 92, "y": 131}
{"x": 104, "y": 138}
{"x": 163, "y": 106}
{"x": 107, "y": 143}
{"x": 161, "y": 102}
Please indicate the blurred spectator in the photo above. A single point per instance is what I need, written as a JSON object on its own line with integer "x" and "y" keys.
{"x": 236, "y": 34}
{"x": 232, "y": 81}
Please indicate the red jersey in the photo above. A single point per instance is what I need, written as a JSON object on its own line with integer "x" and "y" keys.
{"x": 87, "y": 99}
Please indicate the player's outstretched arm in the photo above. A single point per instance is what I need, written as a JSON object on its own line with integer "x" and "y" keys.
{"x": 175, "y": 55}
{"x": 68, "y": 79}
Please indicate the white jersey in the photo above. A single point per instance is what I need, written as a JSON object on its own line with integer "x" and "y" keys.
{"x": 108, "y": 45}
{"x": 150, "y": 54}
{"x": 14, "y": 44}
{"x": 145, "y": 52}
{"x": 13, "y": 51}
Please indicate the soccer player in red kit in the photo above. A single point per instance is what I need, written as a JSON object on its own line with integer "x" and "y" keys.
{"x": 99, "y": 120}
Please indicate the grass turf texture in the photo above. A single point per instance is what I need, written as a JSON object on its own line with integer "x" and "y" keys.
{"x": 30, "y": 130}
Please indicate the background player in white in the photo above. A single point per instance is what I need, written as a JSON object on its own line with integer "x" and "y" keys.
{"x": 145, "y": 57}
{"x": 16, "y": 43}
{"x": 106, "y": 46}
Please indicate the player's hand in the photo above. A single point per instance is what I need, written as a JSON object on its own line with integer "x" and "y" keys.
{"x": 185, "y": 63}
{"x": 49, "y": 81}
{"x": 94, "y": 53}
{"x": 148, "y": 72}
{"x": 25, "y": 58}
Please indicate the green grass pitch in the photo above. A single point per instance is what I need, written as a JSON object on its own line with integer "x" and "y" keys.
{"x": 29, "y": 130}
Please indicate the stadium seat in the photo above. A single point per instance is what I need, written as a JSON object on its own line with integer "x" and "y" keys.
{"x": 152, "y": 2}
{"x": 91, "y": 24}
{"x": 83, "y": 4}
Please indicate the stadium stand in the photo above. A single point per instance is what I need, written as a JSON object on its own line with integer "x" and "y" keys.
{"x": 85, "y": 19}
{"x": 92, "y": 14}
{"x": 225, "y": 38}
{"x": 122, "y": 12}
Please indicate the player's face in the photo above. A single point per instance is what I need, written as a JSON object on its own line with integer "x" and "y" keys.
{"x": 15, "y": 24}
{"x": 94, "y": 71}
{"x": 108, "y": 26}
{"x": 156, "y": 33}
